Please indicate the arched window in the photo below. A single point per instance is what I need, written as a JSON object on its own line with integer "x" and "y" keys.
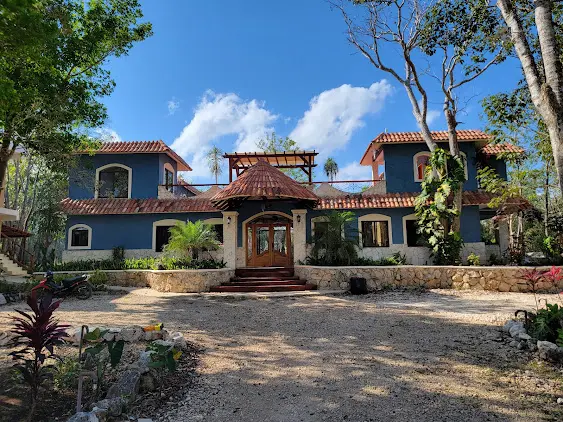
{"x": 375, "y": 231}
{"x": 420, "y": 163}
{"x": 80, "y": 237}
{"x": 161, "y": 233}
{"x": 169, "y": 177}
{"x": 113, "y": 181}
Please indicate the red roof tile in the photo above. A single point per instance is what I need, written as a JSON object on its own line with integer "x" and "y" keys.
{"x": 262, "y": 180}
{"x": 103, "y": 206}
{"x": 9, "y": 231}
{"x": 393, "y": 200}
{"x": 494, "y": 149}
{"x": 415, "y": 137}
{"x": 142, "y": 147}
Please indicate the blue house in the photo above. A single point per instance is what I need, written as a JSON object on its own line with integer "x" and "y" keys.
{"x": 128, "y": 194}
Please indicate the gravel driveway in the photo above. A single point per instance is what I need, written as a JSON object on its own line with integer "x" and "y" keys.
{"x": 396, "y": 356}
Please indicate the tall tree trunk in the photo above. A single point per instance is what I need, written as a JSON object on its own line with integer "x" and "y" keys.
{"x": 451, "y": 121}
{"x": 546, "y": 198}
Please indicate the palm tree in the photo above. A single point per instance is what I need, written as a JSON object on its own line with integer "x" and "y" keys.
{"x": 331, "y": 168}
{"x": 330, "y": 246}
{"x": 188, "y": 239}
{"x": 214, "y": 158}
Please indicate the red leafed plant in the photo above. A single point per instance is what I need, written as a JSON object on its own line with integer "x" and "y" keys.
{"x": 36, "y": 335}
{"x": 554, "y": 274}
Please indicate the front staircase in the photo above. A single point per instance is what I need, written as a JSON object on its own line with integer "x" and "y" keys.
{"x": 266, "y": 279}
{"x": 9, "y": 267}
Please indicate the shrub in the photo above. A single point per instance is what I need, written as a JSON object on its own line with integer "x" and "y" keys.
{"x": 473, "y": 259}
{"x": 36, "y": 334}
{"x": 189, "y": 239}
{"x": 494, "y": 260}
{"x": 163, "y": 263}
{"x": 118, "y": 253}
{"x": 331, "y": 248}
{"x": 395, "y": 259}
{"x": 65, "y": 374}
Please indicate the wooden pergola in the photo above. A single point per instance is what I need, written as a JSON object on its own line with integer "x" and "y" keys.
{"x": 242, "y": 161}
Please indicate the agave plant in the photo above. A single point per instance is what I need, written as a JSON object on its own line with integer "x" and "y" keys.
{"x": 331, "y": 246}
{"x": 36, "y": 334}
{"x": 187, "y": 240}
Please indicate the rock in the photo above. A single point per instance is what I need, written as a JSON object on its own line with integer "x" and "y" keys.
{"x": 549, "y": 351}
{"x": 113, "y": 407}
{"x": 178, "y": 340}
{"x": 148, "y": 383}
{"x": 3, "y": 300}
{"x": 109, "y": 336}
{"x": 516, "y": 329}
{"x": 127, "y": 386}
{"x": 84, "y": 417}
{"x": 523, "y": 336}
{"x": 513, "y": 343}
{"x": 522, "y": 345}
{"x": 166, "y": 343}
{"x": 560, "y": 400}
{"x": 73, "y": 335}
{"x": 132, "y": 333}
{"x": 5, "y": 338}
{"x": 143, "y": 362}
{"x": 153, "y": 335}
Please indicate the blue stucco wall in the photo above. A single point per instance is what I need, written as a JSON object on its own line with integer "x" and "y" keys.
{"x": 130, "y": 231}
{"x": 146, "y": 169}
{"x": 498, "y": 165}
{"x": 162, "y": 160}
{"x": 399, "y": 167}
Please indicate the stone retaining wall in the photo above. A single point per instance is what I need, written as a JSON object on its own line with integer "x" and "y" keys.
{"x": 176, "y": 281}
{"x": 502, "y": 279}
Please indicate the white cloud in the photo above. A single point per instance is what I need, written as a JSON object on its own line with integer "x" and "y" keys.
{"x": 354, "y": 171}
{"x": 432, "y": 116}
{"x": 334, "y": 115}
{"x": 173, "y": 106}
{"x": 107, "y": 134}
{"x": 218, "y": 115}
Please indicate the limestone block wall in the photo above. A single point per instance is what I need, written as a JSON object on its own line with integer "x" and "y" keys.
{"x": 176, "y": 281}
{"x": 502, "y": 279}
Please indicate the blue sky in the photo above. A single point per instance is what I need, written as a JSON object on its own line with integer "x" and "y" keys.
{"x": 226, "y": 73}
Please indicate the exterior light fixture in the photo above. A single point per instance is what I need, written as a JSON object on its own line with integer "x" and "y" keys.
{"x": 298, "y": 218}
{"x": 228, "y": 220}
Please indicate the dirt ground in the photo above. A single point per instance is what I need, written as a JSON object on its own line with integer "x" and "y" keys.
{"x": 397, "y": 356}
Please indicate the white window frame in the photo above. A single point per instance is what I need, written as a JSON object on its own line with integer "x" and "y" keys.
{"x": 375, "y": 217}
{"x": 426, "y": 153}
{"x": 406, "y": 218}
{"x": 214, "y": 222}
{"x": 69, "y": 240}
{"x": 319, "y": 219}
{"x": 129, "y": 177}
{"x": 168, "y": 166}
{"x": 167, "y": 222}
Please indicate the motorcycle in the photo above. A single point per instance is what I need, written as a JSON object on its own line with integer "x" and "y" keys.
{"x": 78, "y": 286}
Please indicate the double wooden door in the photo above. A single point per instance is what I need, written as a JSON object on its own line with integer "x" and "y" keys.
{"x": 269, "y": 245}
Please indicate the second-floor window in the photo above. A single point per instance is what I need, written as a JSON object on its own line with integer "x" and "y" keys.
{"x": 113, "y": 182}
{"x": 421, "y": 161}
{"x": 169, "y": 180}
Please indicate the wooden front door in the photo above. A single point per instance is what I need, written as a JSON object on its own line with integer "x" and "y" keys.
{"x": 269, "y": 245}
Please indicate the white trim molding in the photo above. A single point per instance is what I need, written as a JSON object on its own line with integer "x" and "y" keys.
{"x": 213, "y": 221}
{"x": 317, "y": 219}
{"x": 167, "y": 222}
{"x": 123, "y": 166}
{"x": 406, "y": 218}
{"x": 375, "y": 217}
{"x": 69, "y": 235}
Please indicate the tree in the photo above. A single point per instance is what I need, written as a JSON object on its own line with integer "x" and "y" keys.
{"x": 52, "y": 71}
{"x": 214, "y": 160}
{"x": 331, "y": 168}
{"x": 330, "y": 246}
{"x": 445, "y": 32}
{"x": 273, "y": 143}
{"x": 534, "y": 34}
{"x": 188, "y": 239}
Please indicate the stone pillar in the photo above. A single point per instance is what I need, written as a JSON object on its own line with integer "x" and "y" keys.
{"x": 503, "y": 237}
{"x": 299, "y": 235}
{"x": 230, "y": 224}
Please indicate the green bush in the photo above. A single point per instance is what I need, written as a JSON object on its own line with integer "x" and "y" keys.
{"x": 395, "y": 259}
{"x": 473, "y": 259}
{"x": 164, "y": 263}
{"x": 26, "y": 287}
{"x": 65, "y": 374}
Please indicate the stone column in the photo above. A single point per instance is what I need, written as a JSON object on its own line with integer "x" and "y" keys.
{"x": 230, "y": 223}
{"x": 503, "y": 236}
{"x": 299, "y": 235}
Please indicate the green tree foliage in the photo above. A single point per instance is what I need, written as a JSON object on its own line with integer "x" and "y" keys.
{"x": 331, "y": 168}
{"x": 330, "y": 245}
{"x": 274, "y": 143}
{"x": 187, "y": 240}
{"x": 214, "y": 160}
{"x": 444, "y": 174}
{"x": 53, "y": 74}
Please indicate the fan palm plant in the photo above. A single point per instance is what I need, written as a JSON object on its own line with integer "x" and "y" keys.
{"x": 331, "y": 246}
{"x": 187, "y": 240}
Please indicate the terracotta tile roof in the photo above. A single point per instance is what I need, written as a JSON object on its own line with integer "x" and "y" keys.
{"x": 135, "y": 206}
{"x": 326, "y": 189}
{"x": 209, "y": 193}
{"x": 415, "y": 137}
{"x": 394, "y": 200}
{"x": 494, "y": 149}
{"x": 142, "y": 147}
{"x": 263, "y": 180}
{"x": 9, "y": 231}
